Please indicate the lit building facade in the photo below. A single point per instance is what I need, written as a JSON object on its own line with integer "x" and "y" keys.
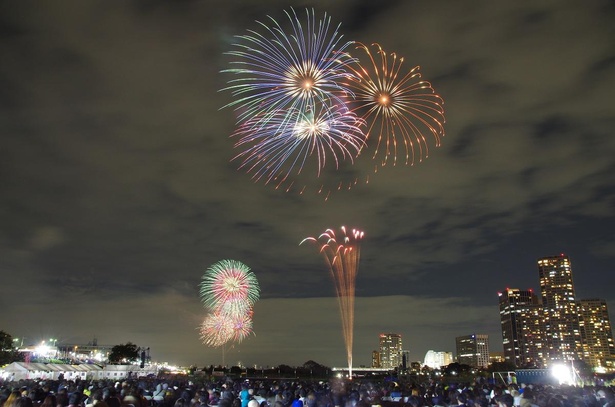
{"x": 473, "y": 350}
{"x": 559, "y": 327}
{"x": 522, "y": 320}
{"x": 390, "y": 351}
{"x": 436, "y": 360}
{"x": 560, "y": 309}
{"x": 596, "y": 332}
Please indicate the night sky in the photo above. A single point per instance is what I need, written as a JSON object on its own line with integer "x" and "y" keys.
{"x": 117, "y": 188}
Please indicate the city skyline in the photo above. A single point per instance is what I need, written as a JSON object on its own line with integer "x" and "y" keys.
{"x": 558, "y": 327}
{"x": 521, "y": 308}
{"x": 118, "y": 189}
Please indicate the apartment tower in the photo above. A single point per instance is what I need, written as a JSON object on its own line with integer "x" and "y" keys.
{"x": 390, "y": 351}
{"x": 473, "y": 350}
{"x": 596, "y": 333}
{"x": 560, "y": 309}
{"x": 521, "y": 316}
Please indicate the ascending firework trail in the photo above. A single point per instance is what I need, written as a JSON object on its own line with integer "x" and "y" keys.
{"x": 342, "y": 256}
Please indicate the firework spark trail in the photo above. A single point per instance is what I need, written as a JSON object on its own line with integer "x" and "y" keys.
{"x": 289, "y": 137}
{"x": 342, "y": 258}
{"x": 403, "y": 106}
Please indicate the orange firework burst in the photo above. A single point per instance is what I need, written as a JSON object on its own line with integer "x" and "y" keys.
{"x": 342, "y": 257}
{"x": 400, "y": 109}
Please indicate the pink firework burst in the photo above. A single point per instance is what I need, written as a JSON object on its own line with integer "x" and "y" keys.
{"x": 230, "y": 287}
{"x": 218, "y": 328}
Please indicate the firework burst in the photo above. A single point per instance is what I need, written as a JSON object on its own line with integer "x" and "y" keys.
{"x": 241, "y": 326}
{"x": 307, "y": 107}
{"x": 342, "y": 256}
{"x": 280, "y": 147}
{"x": 290, "y": 90}
{"x": 219, "y": 328}
{"x": 229, "y": 286}
{"x": 216, "y": 330}
{"x": 400, "y": 108}
{"x": 283, "y": 69}
{"x": 229, "y": 290}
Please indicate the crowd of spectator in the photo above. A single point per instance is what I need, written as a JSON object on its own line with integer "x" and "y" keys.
{"x": 295, "y": 393}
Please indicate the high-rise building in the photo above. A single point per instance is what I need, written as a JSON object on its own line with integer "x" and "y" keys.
{"x": 473, "y": 350}
{"x": 405, "y": 359}
{"x": 375, "y": 358}
{"x": 390, "y": 351}
{"x": 596, "y": 333}
{"x": 559, "y": 328}
{"x": 560, "y": 309}
{"x": 436, "y": 360}
{"x": 521, "y": 316}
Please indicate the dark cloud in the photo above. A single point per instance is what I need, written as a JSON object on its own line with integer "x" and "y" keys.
{"x": 362, "y": 13}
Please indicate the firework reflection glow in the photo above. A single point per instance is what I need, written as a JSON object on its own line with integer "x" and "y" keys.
{"x": 342, "y": 255}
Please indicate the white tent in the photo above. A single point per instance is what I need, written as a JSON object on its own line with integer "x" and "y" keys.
{"x": 115, "y": 372}
{"x": 23, "y": 370}
{"x": 52, "y": 371}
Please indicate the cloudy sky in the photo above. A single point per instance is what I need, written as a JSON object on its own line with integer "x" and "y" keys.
{"x": 117, "y": 188}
